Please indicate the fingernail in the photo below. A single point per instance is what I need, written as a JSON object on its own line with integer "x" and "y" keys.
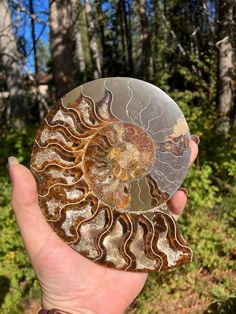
{"x": 184, "y": 190}
{"x": 196, "y": 139}
{"x": 12, "y": 161}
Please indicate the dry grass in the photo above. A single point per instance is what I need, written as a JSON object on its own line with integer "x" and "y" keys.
{"x": 185, "y": 300}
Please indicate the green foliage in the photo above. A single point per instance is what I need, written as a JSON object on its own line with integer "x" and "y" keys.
{"x": 211, "y": 276}
{"x": 209, "y": 222}
{"x": 16, "y": 273}
{"x": 227, "y": 306}
{"x": 15, "y": 143}
{"x": 14, "y": 262}
{"x": 203, "y": 193}
{"x": 14, "y": 265}
{"x": 209, "y": 225}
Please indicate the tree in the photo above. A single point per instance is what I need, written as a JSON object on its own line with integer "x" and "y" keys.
{"x": 10, "y": 60}
{"x": 145, "y": 54}
{"x": 101, "y": 21}
{"x": 62, "y": 46}
{"x": 126, "y": 11}
{"x": 92, "y": 36}
{"x": 225, "y": 64}
{"x": 79, "y": 52}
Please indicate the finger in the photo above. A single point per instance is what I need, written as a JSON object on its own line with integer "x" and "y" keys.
{"x": 194, "y": 148}
{"x": 33, "y": 227}
{"x": 177, "y": 203}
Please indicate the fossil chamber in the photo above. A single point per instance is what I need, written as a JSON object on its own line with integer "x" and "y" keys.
{"x": 107, "y": 158}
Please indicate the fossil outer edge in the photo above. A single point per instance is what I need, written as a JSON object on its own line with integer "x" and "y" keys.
{"x": 106, "y": 159}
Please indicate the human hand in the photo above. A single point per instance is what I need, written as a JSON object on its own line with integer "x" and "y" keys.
{"x": 69, "y": 281}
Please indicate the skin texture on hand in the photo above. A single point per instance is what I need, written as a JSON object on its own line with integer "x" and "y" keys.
{"x": 69, "y": 281}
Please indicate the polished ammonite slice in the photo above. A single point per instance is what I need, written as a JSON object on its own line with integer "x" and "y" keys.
{"x": 107, "y": 158}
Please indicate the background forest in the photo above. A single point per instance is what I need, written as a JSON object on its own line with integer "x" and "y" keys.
{"x": 185, "y": 47}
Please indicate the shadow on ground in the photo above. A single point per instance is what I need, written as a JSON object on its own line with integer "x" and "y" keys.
{"x": 226, "y": 307}
{"x": 4, "y": 288}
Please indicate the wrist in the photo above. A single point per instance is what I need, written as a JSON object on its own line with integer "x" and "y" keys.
{"x": 54, "y": 305}
{"x": 63, "y": 309}
{"x": 80, "y": 307}
{"x": 80, "y": 302}
{"x": 59, "y": 311}
{"x": 70, "y": 306}
{"x": 53, "y": 311}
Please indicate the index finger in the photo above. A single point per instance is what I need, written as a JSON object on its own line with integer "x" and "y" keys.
{"x": 194, "y": 150}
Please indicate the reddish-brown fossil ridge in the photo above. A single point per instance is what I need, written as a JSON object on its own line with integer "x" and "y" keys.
{"x": 106, "y": 159}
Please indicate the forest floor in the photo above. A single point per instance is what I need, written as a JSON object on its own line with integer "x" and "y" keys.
{"x": 184, "y": 300}
{"x": 188, "y": 300}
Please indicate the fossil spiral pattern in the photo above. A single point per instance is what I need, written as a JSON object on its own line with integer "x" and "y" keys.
{"x": 106, "y": 159}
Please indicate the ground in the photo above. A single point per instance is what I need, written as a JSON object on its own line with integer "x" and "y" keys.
{"x": 185, "y": 300}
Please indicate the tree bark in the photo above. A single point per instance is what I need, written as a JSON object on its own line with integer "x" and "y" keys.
{"x": 225, "y": 64}
{"x": 92, "y": 36}
{"x": 38, "y": 98}
{"x": 122, "y": 33}
{"x": 145, "y": 40}
{"x": 128, "y": 34}
{"x": 155, "y": 30}
{"x": 101, "y": 18}
{"x": 10, "y": 59}
{"x": 79, "y": 51}
{"x": 62, "y": 46}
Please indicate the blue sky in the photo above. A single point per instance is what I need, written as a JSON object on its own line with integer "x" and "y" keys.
{"x": 41, "y": 9}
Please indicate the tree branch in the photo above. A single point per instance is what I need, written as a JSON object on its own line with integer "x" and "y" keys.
{"x": 32, "y": 16}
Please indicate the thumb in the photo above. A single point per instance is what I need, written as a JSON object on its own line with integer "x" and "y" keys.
{"x": 24, "y": 189}
{"x": 33, "y": 226}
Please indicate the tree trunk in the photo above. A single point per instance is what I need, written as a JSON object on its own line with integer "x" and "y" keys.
{"x": 155, "y": 30}
{"x": 79, "y": 52}
{"x": 101, "y": 18}
{"x": 10, "y": 59}
{"x": 225, "y": 64}
{"x": 128, "y": 34}
{"x": 38, "y": 99}
{"x": 92, "y": 36}
{"x": 62, "y": 46}
{"x": 145, "y": 40}
{"x": 120, "y": 21}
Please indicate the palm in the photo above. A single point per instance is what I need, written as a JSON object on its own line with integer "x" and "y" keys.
{"x": 62, "y": 271}
{"x": 65, "y": 276}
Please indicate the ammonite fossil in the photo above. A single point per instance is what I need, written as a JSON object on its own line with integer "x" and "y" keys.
{"x": 107, "y": 158}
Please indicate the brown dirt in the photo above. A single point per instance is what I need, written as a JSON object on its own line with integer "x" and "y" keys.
{"x": 32, "y": 307}
{"x": 188, "y": 300}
